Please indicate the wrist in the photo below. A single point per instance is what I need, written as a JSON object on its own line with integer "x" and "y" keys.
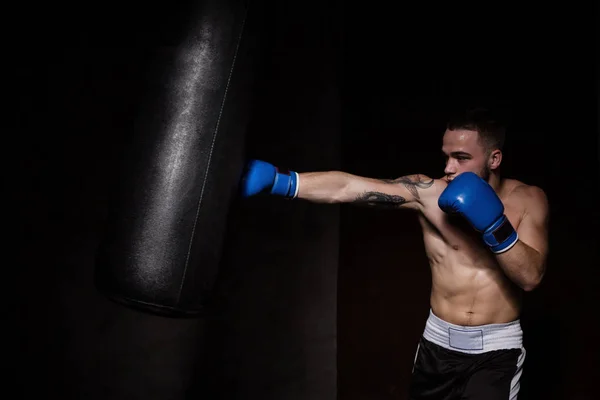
{"x": 501, "y": 236}
{"x": 285, "y": 184}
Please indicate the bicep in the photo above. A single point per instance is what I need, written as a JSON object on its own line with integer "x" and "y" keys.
{"x": 533, "y": 229}
{"x": 404, "y": 192}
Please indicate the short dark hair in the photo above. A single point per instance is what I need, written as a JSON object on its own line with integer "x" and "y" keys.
{"x": 491, "y": 129}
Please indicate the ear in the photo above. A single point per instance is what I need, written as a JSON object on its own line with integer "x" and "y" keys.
{"x": 495, "y": 159}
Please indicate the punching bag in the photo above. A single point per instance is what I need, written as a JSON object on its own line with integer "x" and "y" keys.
{"x": 167, "y": 216}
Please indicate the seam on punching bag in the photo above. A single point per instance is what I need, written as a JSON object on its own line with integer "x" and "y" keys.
{"x": 187, "y": 258}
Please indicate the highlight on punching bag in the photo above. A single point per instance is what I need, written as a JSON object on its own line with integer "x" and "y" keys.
{"x": 167, "y": 216}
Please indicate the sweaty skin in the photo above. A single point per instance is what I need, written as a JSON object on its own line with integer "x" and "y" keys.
{"x": 470, "y": 285}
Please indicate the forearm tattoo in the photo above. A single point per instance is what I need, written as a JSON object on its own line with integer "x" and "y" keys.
{"x": 412, "y": 183}
{"x": 380, "y": 200}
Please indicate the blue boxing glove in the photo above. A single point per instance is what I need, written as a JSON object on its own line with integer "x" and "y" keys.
{"x": 262, "y": 177}
{"x": 474, "y": 199}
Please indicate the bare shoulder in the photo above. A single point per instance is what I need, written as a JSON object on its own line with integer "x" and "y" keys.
{"x": 532, "y": 198}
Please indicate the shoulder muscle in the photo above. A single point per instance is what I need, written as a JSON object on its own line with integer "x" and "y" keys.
{"x": 533, "y": 200}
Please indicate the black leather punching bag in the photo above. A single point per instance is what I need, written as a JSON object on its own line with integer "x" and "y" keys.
{"x": 168, "y": 214}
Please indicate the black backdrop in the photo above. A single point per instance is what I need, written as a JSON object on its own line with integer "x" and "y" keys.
{"x": 313, "y": 300}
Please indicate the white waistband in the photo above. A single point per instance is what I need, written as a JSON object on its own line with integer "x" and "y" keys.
{"x": 473, "y": 339}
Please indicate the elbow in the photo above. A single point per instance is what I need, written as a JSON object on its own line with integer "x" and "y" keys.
{"x": 342, "y": 194}
{"x": 530, "y": 286}
{"x": 532, "y": 283}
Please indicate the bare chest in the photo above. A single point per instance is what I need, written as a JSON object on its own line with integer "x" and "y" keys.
{"x": 447, "y": 236}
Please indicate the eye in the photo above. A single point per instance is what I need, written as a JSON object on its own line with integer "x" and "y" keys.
{"x": 462, "y": 157}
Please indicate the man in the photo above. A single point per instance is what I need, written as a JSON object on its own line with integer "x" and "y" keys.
{"x": 486, "y": 241}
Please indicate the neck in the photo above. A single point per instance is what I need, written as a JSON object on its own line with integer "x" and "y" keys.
{"x": 495, "y": 181}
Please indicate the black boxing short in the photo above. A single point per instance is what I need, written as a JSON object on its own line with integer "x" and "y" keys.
{"x": 468, "y": 362}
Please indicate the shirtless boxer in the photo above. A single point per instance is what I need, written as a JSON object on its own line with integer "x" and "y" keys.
{"x": 486, "y": 241}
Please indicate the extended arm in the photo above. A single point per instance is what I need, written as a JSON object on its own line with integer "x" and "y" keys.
{"x": 341, "y": 187}
{"x": 336, "y": 187}
{"x": 525, "y": 262}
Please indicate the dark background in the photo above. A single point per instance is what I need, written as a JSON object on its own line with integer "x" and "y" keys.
{"x": 313, "y": 300}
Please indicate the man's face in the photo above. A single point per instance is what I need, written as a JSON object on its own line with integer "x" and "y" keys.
{"x": 464, "y": 154}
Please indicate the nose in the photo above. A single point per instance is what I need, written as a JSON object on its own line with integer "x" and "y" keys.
{"x": 450, "y": 168}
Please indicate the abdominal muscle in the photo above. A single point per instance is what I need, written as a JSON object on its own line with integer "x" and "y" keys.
{"x": 468, "y": 286}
